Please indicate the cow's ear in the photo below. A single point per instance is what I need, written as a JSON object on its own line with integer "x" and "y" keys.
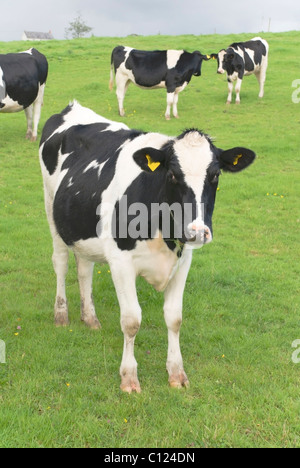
{"x": 236, "y": 159}
{"x": 149, "y": 159}
{"x": 206, "y": 57}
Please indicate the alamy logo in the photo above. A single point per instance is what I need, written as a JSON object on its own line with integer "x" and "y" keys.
{"x": 296, "y": 354}
{"x": 296, "y": 93}
{"x": 2, "y": 352}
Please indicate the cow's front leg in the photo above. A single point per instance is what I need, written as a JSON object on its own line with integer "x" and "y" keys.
{"x": 173, "y": 318}
{"x": 170, "y": 101}
{"x": 124, "y": 278}
{"x": 238, "y": 91}
{"x": 60, "y": 263}
{"x": 230, "y": 90}
{"x": 175, "y": 102}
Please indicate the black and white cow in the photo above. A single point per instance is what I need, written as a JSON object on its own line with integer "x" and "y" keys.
{"x": 243, "y": 59}
{"x": 140, "y": 202}
{"x": 22, "y": 83}
{"x": 170, "y": 69}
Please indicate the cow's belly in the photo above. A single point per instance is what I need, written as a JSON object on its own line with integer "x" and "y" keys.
{"x": 152, "y": 259}
{"x": 10, "y": 106}
{"x": 160, "y": 85}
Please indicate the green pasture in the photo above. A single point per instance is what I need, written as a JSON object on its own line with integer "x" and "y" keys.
{"x": 60, "y": 387}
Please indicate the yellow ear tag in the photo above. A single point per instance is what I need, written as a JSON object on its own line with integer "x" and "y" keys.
{"x": 152, "y": 164}
{"x": 208, "y": 56}
{"x": 235, "y": 162}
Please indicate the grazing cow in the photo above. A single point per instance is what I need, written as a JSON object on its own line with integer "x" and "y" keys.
{"x": 22, "y": 83}
{"x": 140, "y": 202}
{"x": 243, "y": 59}
{"x": 170, "y": 69}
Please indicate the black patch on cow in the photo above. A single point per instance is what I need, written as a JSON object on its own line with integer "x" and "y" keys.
{"x": 22, "y": 74}
{"x": 118, "y": 56}
{"x": 149, "y": 68}
{"x": 79, "y": 194}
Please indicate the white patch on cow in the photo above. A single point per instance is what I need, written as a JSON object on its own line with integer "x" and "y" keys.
{"x": 92, "y": 165}
{"x": 29, "y": 51}
{"x": 71, "y": 182}
{"x": 195, "y": 156}
{"x": 95, "y": 165}
{"x": 79, "y": 115}
{"x": 11, "y": 106}
{"x": 172, "y": 57}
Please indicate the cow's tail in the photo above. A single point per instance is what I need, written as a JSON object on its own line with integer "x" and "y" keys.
{"x": 111, "y": 81}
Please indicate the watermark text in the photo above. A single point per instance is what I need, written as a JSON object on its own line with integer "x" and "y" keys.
{"x": 296, "y": 93}
{"x": 2, "y": 352}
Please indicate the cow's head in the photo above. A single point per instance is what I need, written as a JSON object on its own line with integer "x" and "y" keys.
{"x": 198, "y": 60}
{"x": 220, "y": 57}
{"x": 228, "y": 61}
{"x": 187, "y": 170}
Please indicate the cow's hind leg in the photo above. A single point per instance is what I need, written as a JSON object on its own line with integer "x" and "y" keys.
{"x": 85, "y": 278}
{"x": 122, "y": 83}
{"x": 124, "y": 280}
{"x": 261, "y": 78}
{"x": 37, "y": 109}
{"x": 60, "y": 263}
{"x": 29, "y": 116}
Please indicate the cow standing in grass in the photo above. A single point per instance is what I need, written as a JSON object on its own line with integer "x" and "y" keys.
{"x": 243, "y": 59}
{"x": 22, "y": 84}
{"x": 140, "y": 202}
{"x": 170, "y": 69}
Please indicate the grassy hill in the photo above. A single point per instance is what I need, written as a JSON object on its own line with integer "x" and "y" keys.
{"x": 60, "y": 387}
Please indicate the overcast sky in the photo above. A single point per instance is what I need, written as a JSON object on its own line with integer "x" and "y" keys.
{"x": 148, "y": 17}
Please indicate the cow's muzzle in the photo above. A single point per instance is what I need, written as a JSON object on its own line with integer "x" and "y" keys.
{"x": 199, "y": 234}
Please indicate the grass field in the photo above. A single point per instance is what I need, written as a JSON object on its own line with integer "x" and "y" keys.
{"x": 60, "y": 387}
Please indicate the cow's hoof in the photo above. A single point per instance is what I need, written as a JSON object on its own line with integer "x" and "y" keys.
{"x": 130, "y": 385}
{"x": 61, "y": 312}
{"x": 61, "y": 319}
{"x": 93, "y": 323}
{"x": 179, "y": 380}
{"x": 228, "y": 103}
{"x": 167, "y": 117}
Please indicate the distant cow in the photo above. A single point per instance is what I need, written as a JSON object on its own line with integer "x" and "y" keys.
{"x": 22, "y": 83}
{"x": 243, "y": 59}
{"x": 170, "y": 69}
{"x": 140, "y": 202}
